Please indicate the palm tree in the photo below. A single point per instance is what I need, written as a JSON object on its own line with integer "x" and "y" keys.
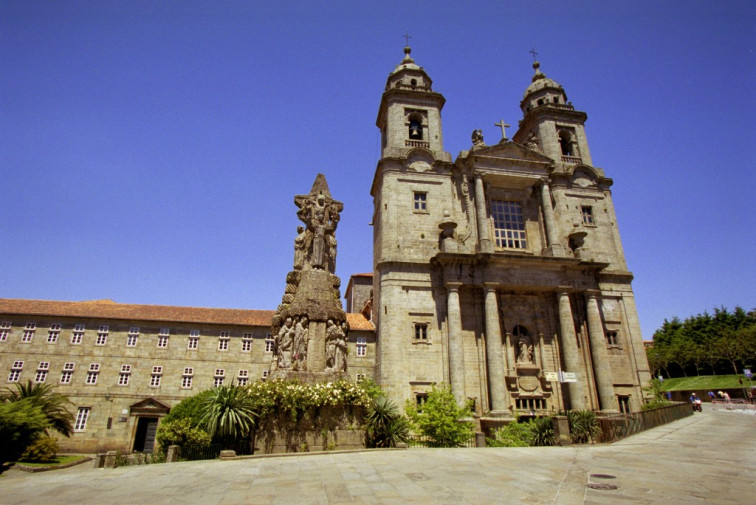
{"x": 228, "y": 414}
{"x": 52, "y": 404}
{"x": 385, "y": 425}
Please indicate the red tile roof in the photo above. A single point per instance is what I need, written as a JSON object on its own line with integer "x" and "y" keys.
{"x": 108, "y": 309}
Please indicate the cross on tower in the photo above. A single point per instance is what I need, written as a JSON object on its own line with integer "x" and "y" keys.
{"x": 534, "y": 53}
{"x": 503, "y": 126}
{"x": 406, "y": 38}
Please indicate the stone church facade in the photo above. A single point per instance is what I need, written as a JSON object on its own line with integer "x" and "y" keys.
{"x": 500, "y": 273}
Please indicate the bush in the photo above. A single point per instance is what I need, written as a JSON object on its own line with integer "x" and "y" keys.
{"x": 584, "y": 426}
{"x": 42, "y": 450}
{"x": 543, "y": 431}
{"x": 188, "y": 408}
{"x": 181, "y": 432}
{"x": 538, "y": 431}
{"x": 440, "y": 419}
{"x": 385, "y": 426}
{"x": 20, "y": 423}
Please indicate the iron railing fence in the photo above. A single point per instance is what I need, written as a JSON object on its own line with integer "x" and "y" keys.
{"x": 212, "y": 451}
{"x": 425, "y": 441}
{"x": 619, "y": 426}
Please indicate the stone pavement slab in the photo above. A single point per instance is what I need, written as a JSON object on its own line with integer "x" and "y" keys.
{"x": 708, "y": 458}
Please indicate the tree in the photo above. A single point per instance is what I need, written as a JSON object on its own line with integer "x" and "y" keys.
{"x": 441, "y": 419}
{"x": 181, "y": 432}
{"x": 228, "y": 414}
{"x": 21, "y": 422}
{"x": 52, "y": 404}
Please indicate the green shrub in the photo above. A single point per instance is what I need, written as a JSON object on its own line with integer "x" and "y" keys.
{"x": 188, "y": 408}
{"x": 655, "y": 404}
{"x": 385, "y": 426}
{"x": 543, "y": 431}
{"x": 512, "y": 435}
{"x": 21, "y": 422}
{"x": 584, "y": 426}
{"x": 42, "y": 450}
{"x": 181, "y": 432}
{"x": 440, "y": 419}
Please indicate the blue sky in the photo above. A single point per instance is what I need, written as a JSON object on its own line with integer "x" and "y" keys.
{"x": 150, "y": 151}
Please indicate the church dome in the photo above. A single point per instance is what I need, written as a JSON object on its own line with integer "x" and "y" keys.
{"x": 409, "y": 75}
{"x": 542, "y": 91}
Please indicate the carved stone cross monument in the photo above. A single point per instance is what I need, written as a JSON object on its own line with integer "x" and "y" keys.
{"x": 310, "y": 327}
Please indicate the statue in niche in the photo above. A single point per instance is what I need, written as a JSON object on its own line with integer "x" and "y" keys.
{"x": 283, "y": 342}
{"x": 300, "y": 251}
{"x": 299, "y": 344}
{"x": 525, "y": 351}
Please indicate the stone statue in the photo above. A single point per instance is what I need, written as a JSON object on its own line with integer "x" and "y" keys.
{"x": 477, "y": 138}
{"x": 320, "y": 214}
{"x": 299, "y": 346}
{"x": 336, "y": 347}
{"x": 532, "y": 142}
{"x": 525, "y": 352}
{"x": 299, "y": 248}
{"x": 283, "y": 342}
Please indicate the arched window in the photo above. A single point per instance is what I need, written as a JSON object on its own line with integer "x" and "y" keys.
{"x": 520, "y": 331}
{"x": 415, "y": 128}
{"x": 565, "y": 142}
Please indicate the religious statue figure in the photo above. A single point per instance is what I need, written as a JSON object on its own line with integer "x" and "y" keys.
{"x": 525, "y": 352}
{"x": 320, "y": 214}
{"x": 299, "y": 248}
{"x": 336, "y": 347}
{"x": 532, "y": 142}
{"x": 477, "y": 138}
{"x": 283, "y": 342}
{"x": 299, "y": 346}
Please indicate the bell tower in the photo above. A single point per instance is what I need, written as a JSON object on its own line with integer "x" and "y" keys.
{"x": 410, "y": 113}
{"x": 551, "y": 122}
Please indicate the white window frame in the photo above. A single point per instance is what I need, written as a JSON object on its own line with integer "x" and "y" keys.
{"x": 361, "y": 347}
{"x": 15, "y": 371}
{"x": 242, "y": 378}
{"x": 124, "y": 377}
{"x": 28, "y": 334}
{"x": 67, "y": 373}
{"x": 53, "y": 333}
{"x": 219, "y": 377}
{"x": 223, "y": 340}
{"x": 186, "y": 378}
{"x": 156, "y": 376}
{"x": 193, "y": 343}
{"x": 78, "y": 334}
{"x": 508, "y": 219}
{"x": 102, "y": 335}
{"x": 420, "y": 202}
{"x": 269, "y": 343}
{"x": 246, "y": 343}
{"x": 163, "y": 336}
{"x": 93, "y": 374}
{"x": 420, "y": 333}
{"x": 5, "y": 329}
{"x": 42, "y": 369}
{"x": 587, "y": 216}
{"x": 82, "y": 415}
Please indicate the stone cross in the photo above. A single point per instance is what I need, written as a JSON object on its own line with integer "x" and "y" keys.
{"x": 406, "y": 37}
{"x": 503, "y": 126}
{"x": 534, "y": 53}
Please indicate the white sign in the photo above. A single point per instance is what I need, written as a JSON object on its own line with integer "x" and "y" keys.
{"x": 568, "y": 377}
{"x": 747, "y": 372}
{"x": 551, "y": 376}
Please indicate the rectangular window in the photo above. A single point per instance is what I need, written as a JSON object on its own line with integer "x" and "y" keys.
{"x": 29, "y": 330}
{"x": 67, "y": 373}
{"x": 243, "y": 377}
{"x": 612, "y": 339}
{"x": 421, "y": 332}
{"x": 53, "y": 333}
{"x": 624, "y": 404}
{"x": 246, "y": 342}
{"x": 269, "y": 343}
{"x": 132, "y": 337}
{"x": 42, "y": 369}
{"x": 156, "y": 376}
{"x": 15, "y": 371}
{"x": 420, "y": 201}
{"x": 220, "y": 374}
{"x": 265, "y": 374}
{"x": 81, "y": 419}
{"x": 509, "y": 224}
{"x": 92, "y": 373}
{"x": 125, "y": 376}
{"x": 587, "y": 213}
{"x": 5, "y": 328}
{"x": 162, "y": 342}
{"x": 78, "y": 334}
{"x": 194, "y": 336}
{"x": 102, "y": 335}
{"x": 186, "y": 378}
{"x": 223, "y": 341}
{"x": 360, "y": 377}
{"x": 361, "y": 347}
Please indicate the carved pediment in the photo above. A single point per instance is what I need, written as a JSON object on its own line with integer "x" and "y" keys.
{"x": 149, "y": 406}
{"x": 513, "y": 151}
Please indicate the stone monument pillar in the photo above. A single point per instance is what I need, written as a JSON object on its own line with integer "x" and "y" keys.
{"x": 310, "y": 327}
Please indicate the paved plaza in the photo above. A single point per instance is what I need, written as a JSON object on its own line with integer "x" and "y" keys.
{"x": 709, "y": 458}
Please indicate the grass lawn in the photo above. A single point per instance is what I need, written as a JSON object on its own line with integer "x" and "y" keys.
{"x": 59, "y": 460}
{"x": 706, "y": 382}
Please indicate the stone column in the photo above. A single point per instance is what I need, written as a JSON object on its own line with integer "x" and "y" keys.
{"x": 601, "y": 368}
{"x": 484, "y": 231}
{"x": 571, "y": 353}
{"x": 456, "y": 351}
{"x": 554, "y": 248}
{"x": 494, "y": 355}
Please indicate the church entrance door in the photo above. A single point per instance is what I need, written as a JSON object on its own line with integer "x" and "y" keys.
{"x": 144, "y": 441}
